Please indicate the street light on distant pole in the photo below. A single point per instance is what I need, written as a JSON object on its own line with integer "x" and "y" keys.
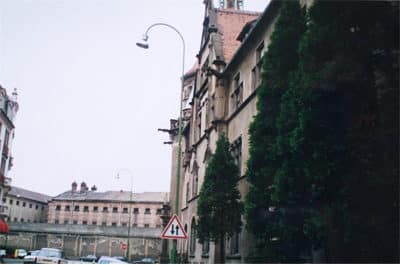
{"x": 130, "y": 208}
{"x": 145, "y": 45}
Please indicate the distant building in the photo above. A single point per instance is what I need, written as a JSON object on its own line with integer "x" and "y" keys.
{"x": 8, "y": 110}
{"x": 110, "y": 208}
{"x": 26, "y": 206}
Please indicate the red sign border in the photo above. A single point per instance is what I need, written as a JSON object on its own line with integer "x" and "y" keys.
{"x": 167, "y": 228}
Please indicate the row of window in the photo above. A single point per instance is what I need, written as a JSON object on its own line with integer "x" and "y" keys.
{"x": 204, "y": 108}
{"x": 237, "y": 93}
{"x": 105, "y": 209}
{"x": 18, "y": 203}
{"x": 22, "y": 220}
{"x": 123, "y": 224}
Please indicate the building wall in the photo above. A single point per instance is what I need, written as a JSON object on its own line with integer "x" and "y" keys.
{"x": 8, "y": 109}
{"x": 77, "y": 241}
{"x": 25, "y": 210}
{"x": 225, "y": 116}
{"x": 59, "y": 213}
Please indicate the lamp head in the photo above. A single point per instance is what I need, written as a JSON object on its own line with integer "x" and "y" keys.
{"x": 144, "y": 43}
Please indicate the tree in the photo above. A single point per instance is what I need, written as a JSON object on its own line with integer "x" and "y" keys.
{"x": 349, "y": 134}
{"x": 264, "y": 167}
{"x": 219, "y": 207}
{"x": 322, "y": 160}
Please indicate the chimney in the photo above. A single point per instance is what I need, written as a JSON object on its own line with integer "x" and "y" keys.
{"x": 74, "y": 186}
{"x": 84, "y": 187}
{"x": 14, "y": 95}
{"x": 93, "y": 188}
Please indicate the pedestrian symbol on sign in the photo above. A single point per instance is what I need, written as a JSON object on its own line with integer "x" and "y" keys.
{"x": 174, "y": 229}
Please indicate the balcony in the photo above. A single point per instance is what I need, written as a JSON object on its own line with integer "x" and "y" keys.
{"x": 11, "y": 163}
{"x": 5, "y": 151}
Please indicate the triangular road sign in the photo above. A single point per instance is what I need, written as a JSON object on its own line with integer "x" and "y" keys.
{"x": 174, "y": 229}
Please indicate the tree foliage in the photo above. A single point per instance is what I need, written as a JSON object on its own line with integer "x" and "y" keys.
{"x": 325, "y": 136}
{"x": 263, "y": 166}
{"x": 219, "y": 207}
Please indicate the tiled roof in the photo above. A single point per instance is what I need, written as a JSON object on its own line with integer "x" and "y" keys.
{"x": 230, "y": 23}
{"x": 112, "y": 196}
{"x": 27, "y": 194}
{"x": 255, "y": 29}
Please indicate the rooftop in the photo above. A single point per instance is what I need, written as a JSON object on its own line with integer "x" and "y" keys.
{"x": 27, "y": 194}
{"x": 230, "y": 23}
{"x": 112, "y": 196}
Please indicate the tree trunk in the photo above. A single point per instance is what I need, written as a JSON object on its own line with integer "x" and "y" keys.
{"x": 220, "y": 250}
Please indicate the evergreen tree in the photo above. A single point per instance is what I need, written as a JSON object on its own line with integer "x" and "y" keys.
{"x": 264, "y": 164}
{"x": 330, "y": 164}
{"x": 219, "y": 207}
{"x": 349, "y": 132}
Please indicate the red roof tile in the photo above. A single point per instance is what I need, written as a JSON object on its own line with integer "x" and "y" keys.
{"x": 230, "y": 23}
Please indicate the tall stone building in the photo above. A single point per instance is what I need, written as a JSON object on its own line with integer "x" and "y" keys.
{"x": 8, "y": 110}
{"x": 224, "y": 100}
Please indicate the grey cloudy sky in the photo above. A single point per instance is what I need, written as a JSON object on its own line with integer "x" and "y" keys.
{"x": 90, "y": 100}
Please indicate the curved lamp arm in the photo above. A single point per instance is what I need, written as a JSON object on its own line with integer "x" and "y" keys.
{"x": 145, "y": 45}
{"x": 145, "y": 38}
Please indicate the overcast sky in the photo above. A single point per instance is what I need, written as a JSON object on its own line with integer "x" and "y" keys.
{"x": 90, "y": 100}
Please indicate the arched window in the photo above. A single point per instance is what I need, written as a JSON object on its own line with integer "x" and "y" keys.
{"x": 192, "y": 246}
{"x": 195, "y": 179}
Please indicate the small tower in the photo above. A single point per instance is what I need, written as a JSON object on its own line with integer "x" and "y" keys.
{"x": 74, "y": 186}
{"x": 84, "y": 187}
{"x": 231, "y": 4}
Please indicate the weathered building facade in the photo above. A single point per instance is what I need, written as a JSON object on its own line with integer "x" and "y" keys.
{"x": 26, "y": 206}
{"x": 110, "y": 208}
{"x": 87, "y": 222}
{"x": 78, "y": 240}
{"x": 232, "y": 44}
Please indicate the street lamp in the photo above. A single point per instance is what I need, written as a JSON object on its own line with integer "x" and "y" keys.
{"x": 130, "y": 208}
{"x": 145, "y": 45}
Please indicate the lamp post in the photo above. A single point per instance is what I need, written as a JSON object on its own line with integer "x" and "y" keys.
{"x": 130, "y": 209}
{"x": 145, "y": 45}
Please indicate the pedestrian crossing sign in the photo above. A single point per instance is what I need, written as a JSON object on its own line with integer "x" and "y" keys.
{"x": 174, "y": 229}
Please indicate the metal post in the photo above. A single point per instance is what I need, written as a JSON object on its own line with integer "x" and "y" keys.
{"x": 180, "y": 125}
{"x": 130, "y": 212}
{"x": 129, "y": 221}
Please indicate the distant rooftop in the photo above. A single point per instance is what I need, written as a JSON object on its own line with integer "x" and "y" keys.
{"x": 112, "y": 196}
{"x": 27, "y": 194}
